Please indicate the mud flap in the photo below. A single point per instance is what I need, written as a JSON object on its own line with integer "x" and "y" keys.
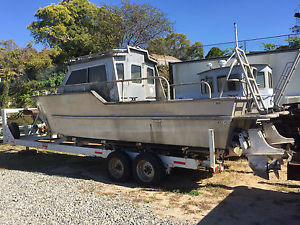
{"x": 262, "y": 157}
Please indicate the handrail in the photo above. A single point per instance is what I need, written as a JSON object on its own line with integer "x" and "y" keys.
{"x": 116, "y": 81}
{"x": 284, "y": 79}
{"x": 192, "y": 83}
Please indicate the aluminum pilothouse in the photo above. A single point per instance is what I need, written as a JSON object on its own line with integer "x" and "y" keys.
{"x": 118, "y": 97}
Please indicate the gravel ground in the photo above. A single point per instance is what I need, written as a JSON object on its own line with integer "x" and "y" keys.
{"x": 36, "y": 198}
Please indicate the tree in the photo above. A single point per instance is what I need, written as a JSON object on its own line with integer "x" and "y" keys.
{"x": 141, "y": 23}
{"x": 215, "y": 52}
{"x": 16, "y": 61}
{"x": 36, "y": 61}
{"x": 177, "y": 45}
{"x": 76, "y": 27}
{"x": 10, "y": 59}
{"x": 4, "y": 98}
{"x": 196, "y": 51}
{"x": 294, "y": 42}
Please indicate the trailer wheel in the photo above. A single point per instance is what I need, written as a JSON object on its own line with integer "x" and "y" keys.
{"x": 14, "y": 129}
{"x": 148, "y": 169}
{"x": 118, "y": 166}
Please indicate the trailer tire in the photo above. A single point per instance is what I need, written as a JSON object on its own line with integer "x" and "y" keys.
{"x": 118, "y": 166}
{"x": 14, "y": 129}
{"x": 148, "y": 169}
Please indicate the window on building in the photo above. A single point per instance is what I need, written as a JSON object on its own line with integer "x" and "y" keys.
{"x": 150, "y": 73}
{"x": 228, "y": 85}
{"x": 97, "y": 74}
{"x": 204, "y": 87}
{"x": 77, "y": 77}
{"x": 136, "y": 73}
{"x": 120, "y": 71}
{"x": 260, "y": 79}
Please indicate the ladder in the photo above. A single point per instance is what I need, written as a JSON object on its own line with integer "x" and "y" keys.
{"x": 284, "y": 79}
{"x": 250, "y": 80}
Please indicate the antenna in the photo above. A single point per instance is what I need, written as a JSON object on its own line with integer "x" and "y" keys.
{"x": 236, "y": 37}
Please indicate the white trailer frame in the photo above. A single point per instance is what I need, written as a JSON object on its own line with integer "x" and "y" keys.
{"x": 42, "y": 142}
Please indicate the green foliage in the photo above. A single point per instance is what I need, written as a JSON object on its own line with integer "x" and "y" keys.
{"x": 270, "y": 47}
{"x": 75, "y": 28}
{"x": 52, "y": 81}
{"x": 16, "y": 61}
{"x": 177, "y": 45}
{"x": 21, "y": 93}
{"x": 294, "y": 42}
{"x": 194, "y": 193}
{"x": 215, "y": 52}
{"x": 4, "y": 98}
{"x": 296, "y": 29}
{"x": 20, "y": 119}
{"x": 11, "y": 59}
{"x": 36, "y": 61}
{"x": 142, "y": 23}
{"x": 164, "y": 71}
{"x": 195, "y": 51}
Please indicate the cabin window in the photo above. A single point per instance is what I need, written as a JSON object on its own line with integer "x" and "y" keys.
{"x": 136, "y": 73}
{"x": 204, "y": 88}
{"x": 77, "y": 77}
{"x": 150, "y": 74}
{"x": 120, "y": 71}
{"x": 260, "y": 79}
{"x": 270, "y": 80}
{"x": 97, "y": 74}
{"x": 229, "y": 85}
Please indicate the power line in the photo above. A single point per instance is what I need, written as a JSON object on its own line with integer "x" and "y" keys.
{"x": 254, "y": 39}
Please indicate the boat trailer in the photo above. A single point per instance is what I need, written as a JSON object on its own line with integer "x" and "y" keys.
{"x": 32, "y": 139}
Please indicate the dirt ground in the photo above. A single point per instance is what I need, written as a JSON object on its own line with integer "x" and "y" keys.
{"x": 234, "y": 196}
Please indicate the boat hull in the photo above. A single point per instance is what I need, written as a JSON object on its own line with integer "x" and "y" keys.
{"x": 182, "y": 123}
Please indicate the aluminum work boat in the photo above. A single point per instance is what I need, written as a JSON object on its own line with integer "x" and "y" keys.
{"x": 119, "y": 98}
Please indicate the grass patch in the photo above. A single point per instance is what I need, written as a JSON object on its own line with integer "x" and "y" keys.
{"x": 194, "y": 193}
{"x": 184, "y": 206}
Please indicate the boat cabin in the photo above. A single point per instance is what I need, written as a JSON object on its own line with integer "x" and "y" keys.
{"x": 120, "y": 75}
{"x": 214, "y": 84}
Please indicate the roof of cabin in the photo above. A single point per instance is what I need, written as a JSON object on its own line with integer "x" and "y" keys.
{"x": 248, "y": 54}
{"x": 109, "y": 54}
{"x": 227, "y": 67}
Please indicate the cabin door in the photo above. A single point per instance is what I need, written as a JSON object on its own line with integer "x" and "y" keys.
{"x": 149, "y": 84}
{"x": 131, "y": 90}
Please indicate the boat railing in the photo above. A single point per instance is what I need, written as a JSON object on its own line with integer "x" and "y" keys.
{"x": 54, "y": 90}
{"x": 192, "y": 83}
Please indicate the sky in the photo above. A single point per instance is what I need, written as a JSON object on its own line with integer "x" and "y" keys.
{"x": 207, "y": 21}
